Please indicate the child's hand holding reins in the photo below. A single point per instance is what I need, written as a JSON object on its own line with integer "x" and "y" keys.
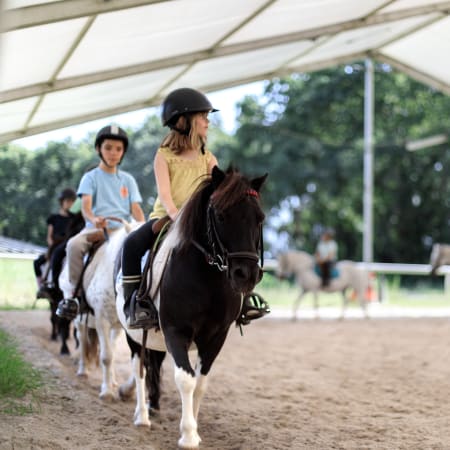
{"x": 100, "y": 222}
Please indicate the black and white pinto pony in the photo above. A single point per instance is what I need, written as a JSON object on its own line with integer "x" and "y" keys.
{"x": 207, "y": 262}
{"x": 302, "y": 266}
{"x": 100, "y": 329}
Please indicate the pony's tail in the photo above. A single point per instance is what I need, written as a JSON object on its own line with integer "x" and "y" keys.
{"x": 90, "y": 346}
{"x": 153, "y": 361}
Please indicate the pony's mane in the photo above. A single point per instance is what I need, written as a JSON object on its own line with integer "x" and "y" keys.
{"x": 232, "y": 189}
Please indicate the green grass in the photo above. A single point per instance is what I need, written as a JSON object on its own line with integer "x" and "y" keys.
{"x": 20, "y": 383}
{"x": 18, "y": 285}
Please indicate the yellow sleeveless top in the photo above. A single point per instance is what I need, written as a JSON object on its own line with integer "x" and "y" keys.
{"x": 185, "y": 176}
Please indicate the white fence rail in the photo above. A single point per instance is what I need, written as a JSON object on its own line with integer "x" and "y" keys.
{"x": 31, "y": 256}
{"x": 389, "y": 268}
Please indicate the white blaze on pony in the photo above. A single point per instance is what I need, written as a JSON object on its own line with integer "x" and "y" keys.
{"x": 301, "y": 265}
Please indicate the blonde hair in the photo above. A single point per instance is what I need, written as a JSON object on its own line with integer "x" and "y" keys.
{"x": 178, "y": 142}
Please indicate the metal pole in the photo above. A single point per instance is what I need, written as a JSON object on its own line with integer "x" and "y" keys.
{"x": 368, "y": 162}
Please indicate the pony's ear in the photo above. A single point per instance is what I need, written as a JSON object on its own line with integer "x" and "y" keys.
{"x": 256, "y": 183}
{"x": 217, "y": 176}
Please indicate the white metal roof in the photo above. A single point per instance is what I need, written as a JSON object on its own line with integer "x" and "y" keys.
{"x": 68, "y": 62}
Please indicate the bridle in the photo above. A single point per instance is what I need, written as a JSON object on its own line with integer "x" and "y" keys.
{"x": 219, "y": 256}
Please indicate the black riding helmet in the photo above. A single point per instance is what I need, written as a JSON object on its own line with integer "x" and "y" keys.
{"x": 183, "y": 101}
{"x": 111, "y": 132}
{"x": 67, "y": 194}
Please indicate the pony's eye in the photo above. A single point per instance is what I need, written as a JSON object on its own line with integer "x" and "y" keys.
{"x": 220, "y": 217}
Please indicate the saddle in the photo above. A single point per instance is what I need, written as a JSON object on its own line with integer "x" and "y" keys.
{"x": 146, "y": 293}
{"x": 98, "y": 238}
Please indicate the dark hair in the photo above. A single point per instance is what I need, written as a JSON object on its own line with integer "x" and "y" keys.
{"x": 67, "y": 194}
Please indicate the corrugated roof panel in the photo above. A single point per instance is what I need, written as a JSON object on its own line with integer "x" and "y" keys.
{"x": 288, "y": 16}
{"x": 13, "y": 115}
{"x": 67, "y": 63}
{"x": 359, "y": 40}
{"x": 426, "y": 50}
{"x": 155, "y": 32}
{"x": 247, "y": 65}
{"x": 14, "y": 246}
{"x": 32, "y": 55}
{"x": 100, "y": 96}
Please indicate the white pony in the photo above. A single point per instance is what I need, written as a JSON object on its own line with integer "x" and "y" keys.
{"x": 440, "y": 255}
{"x": 98, "y": 284}
{"x": 301, "y": 265}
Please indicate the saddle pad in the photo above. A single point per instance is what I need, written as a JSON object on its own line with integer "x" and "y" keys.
{"x": 160, "y": 261}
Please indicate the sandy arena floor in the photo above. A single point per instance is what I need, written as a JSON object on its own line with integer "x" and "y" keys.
{"x": 313, "y": 384}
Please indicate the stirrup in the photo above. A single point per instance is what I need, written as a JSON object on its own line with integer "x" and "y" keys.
{"x": 68, "y": 308}
{"x": 143, "y": 314}
{"x": 253, "y": 307}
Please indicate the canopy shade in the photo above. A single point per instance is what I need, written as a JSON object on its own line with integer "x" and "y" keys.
{"x": 68, "y": 62}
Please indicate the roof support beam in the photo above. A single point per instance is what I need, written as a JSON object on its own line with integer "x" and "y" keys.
{"x": 31, "y": 16}
{"x": 156, "y": 99}
{"x": 419, "y": 76}
{"x": 189, "y": 58}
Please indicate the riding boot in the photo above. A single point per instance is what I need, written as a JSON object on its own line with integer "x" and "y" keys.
{"x": 130, "y": 286}
{"x": 143, "y": 313}
{"x": 68, "y": 308}
{"x": 140, "y": 313}
{"x": 326, "y": 273}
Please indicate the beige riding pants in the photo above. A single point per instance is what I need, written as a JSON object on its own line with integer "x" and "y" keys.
{"x": 77, "y": 247}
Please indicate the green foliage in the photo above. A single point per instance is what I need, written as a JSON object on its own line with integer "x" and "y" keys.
{"x": 307, "y": 133}
{"x": 19, "y": 381}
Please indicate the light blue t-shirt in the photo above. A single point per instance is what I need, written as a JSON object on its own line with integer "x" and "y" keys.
{"x": 112, "y": 194}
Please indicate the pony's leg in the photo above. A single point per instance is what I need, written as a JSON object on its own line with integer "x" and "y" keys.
{"x": 64, "y": 331}
{"x": 106, "y": 357}
{"x": 153, "y": 379}
{"x": 114, "y": 337}
{"x": 54, "y": 319}
{"x": 186, "y": 383}
{"x": 126, "y": 390}
{"x": 81, "y": 327}
{"x": 141, "y": 417}
{"x": 316, "y": 304}
{"x": 200, "y": 389}
{"x": 344, "y": 304}
{"x": 296, "y": 305}
{"x": 363, "y": 304}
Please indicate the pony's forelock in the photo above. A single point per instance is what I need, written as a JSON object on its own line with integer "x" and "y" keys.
{"x": 232, "y": 189}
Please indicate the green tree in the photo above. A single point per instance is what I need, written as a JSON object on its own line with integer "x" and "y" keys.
{"x": 307, "y": 133}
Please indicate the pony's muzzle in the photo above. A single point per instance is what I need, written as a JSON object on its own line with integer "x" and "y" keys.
{"x": 244, "y": 277}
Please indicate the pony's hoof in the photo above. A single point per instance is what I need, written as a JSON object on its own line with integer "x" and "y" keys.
{"x": 107, "y": 396}
{"x": 140, "y": 421}
{"x": 64, "y": 351}
{"x": 191, "y": 442}
{"x": 82, "y": 374}
{"x": 125, "y": 394}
